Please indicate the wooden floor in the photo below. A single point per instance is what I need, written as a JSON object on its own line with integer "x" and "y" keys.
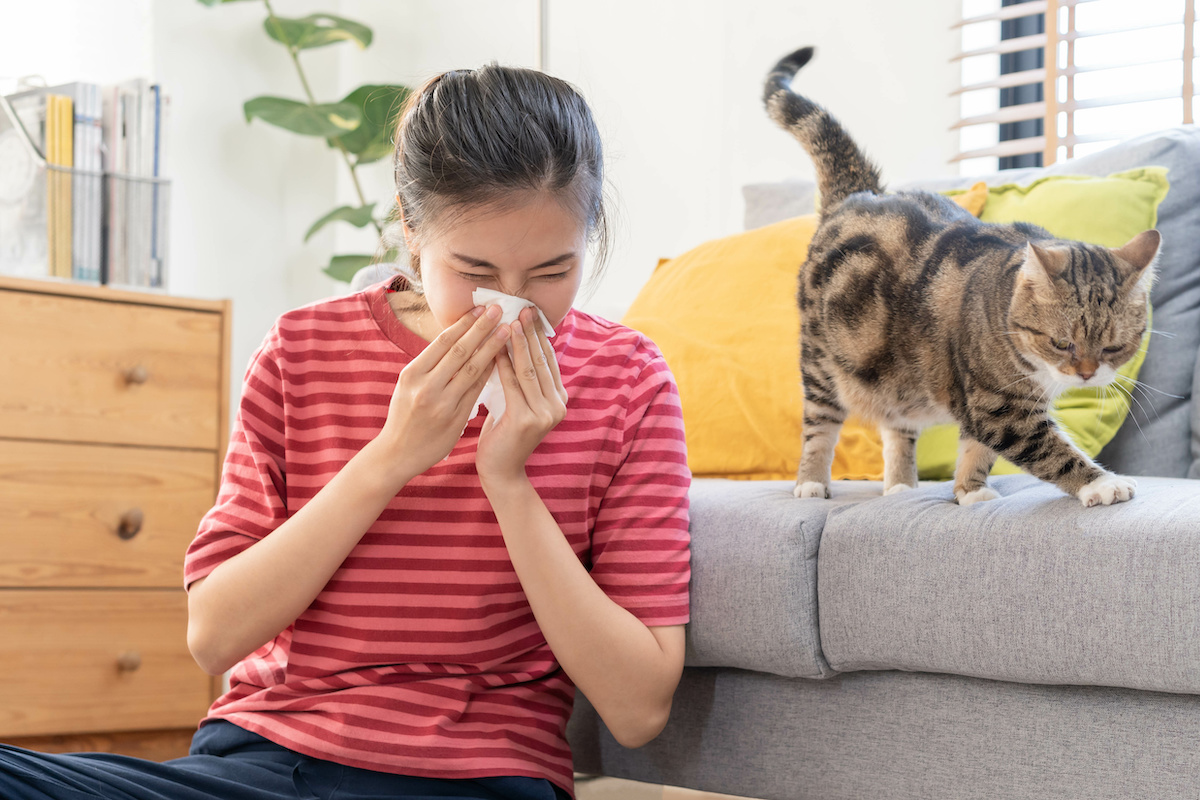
{"x": 614, "y": 789}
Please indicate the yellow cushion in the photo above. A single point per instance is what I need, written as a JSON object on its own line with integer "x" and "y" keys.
{"x": 974, "y": 199}
{"x": 725, "y": 317}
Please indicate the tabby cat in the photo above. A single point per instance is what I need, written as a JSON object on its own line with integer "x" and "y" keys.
{"x": 913, "y": 312}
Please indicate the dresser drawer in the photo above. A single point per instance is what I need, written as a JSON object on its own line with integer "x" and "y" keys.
{"x": 83, "y": 661}
{"x": 91, "y": 515}
{"x": 84, "y": 370}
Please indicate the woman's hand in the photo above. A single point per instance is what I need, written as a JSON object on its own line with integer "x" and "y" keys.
{"x": 535, "y": 399}
{"x": 436, "y": 392}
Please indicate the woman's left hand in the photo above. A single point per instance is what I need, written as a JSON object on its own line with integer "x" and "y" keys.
{"x": 535, "y": 398}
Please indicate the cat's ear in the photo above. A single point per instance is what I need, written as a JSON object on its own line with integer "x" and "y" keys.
{"x": 1138, "y": 255}
{"x": 1042, "y": 264}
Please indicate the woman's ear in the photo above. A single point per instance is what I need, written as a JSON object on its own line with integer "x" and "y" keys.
{"x": 409, "y": 237}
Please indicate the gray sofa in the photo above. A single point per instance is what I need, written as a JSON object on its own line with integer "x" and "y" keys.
{"x": 903, "y": 647}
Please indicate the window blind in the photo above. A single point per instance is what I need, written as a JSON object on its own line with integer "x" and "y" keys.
{"x": 1112, "y": 69}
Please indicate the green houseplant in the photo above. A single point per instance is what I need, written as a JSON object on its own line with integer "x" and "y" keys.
{"x": 358, "y": 126}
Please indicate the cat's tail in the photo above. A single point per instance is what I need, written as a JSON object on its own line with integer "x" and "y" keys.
{"x": 842, "y": 169}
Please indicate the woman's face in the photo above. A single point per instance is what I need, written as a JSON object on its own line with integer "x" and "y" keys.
{"x": 533, "y": 250}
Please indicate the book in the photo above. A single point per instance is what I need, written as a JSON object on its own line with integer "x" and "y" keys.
{"x": 114, "y": 164}
{"x": 124, "y": 163}
{"x": 86, "y": 184}
{"x": 59, "y": 153}
{"x": 132, "y": 201}
{"x": 156, "y": 265}
{"x": 66, "y": 153}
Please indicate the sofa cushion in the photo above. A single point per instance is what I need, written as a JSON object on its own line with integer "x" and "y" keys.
{"x": 1031, "y": 587}
{"x": 906, "y": 736}
{"x": 1194, "y": 472}
{"x": 768, "y": 203}
{"x": 754, "y": 575}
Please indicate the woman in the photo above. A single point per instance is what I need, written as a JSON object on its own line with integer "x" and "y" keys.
{"x": 407, "y": 594}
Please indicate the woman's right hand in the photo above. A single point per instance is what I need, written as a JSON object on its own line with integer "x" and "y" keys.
{"x": 438, "y": 389}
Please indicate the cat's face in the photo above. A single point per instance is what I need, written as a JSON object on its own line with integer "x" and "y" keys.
{"x": 1079, "y": 311}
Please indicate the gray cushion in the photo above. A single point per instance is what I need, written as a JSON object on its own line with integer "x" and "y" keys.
{"x": 773, "y": 202}
{"x": 907, "y": 736}
{"x": 1194, "y": 472}
{"x": 754, "y": 581}
{"x": 1155, "y": 438}
{"x": 1031, "y": 587}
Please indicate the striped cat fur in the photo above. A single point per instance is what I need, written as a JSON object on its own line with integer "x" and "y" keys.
{"x": 913, "y": 313}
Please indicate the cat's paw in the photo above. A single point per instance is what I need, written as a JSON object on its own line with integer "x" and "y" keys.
{"x": 977, "y": 496}
{"x": 1106, "y": 490}
{"x": 897, "y": 488}
{"x": 811, "y": 489}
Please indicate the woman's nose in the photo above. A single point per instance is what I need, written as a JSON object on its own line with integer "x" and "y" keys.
{"x": 513, "y": 291}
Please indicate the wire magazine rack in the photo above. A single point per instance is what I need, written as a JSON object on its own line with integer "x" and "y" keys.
{"x": 64, "y": 222}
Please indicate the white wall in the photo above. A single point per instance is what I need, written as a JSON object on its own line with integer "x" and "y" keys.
{"x": 675, "y": 86}
{"x": 243, "y": 195}
{"x": 413, "y": 41}
{"x": 104, "y": 41}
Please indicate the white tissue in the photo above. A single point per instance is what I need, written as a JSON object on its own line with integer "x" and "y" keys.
{"x": 510, "y": 306}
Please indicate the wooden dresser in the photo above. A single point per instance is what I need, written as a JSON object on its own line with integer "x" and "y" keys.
{"x": 113, "y": 424}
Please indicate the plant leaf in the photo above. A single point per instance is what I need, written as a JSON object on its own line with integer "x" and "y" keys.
{"x": 317, "y": 30}
{"x": 325, "y": 119}
{"x": 342, "y": 268}
{"x": 211, "y": 3}
{"x": 358, "y": 217}
{"x": 380, "y": 104}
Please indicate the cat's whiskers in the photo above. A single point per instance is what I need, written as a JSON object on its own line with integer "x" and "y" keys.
{"x": 1134, "y": 416}
{"x": 1167, "y": 334}
{"x": 1143, "y": 385}
{"x": 1039, "y": 404}
{"x": 1110, "y": 390}
{"x": 1014, "y": 383}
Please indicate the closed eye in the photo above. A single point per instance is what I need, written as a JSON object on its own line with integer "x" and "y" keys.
{"x": 475, "y": 276}
{"x": 1116, "y": 348}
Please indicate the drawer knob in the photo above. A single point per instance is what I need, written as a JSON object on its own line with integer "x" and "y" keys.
{"x": 131, "y": 523}
{"x": 137, "y": 375}
{"x": 129, "y": 661}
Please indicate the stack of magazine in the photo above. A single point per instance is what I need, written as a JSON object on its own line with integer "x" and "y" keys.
{"x": 82, "y": 195}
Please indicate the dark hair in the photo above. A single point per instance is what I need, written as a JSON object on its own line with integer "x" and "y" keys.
{"x": 471, "y": 138}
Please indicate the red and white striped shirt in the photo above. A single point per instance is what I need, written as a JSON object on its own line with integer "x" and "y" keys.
{"x": 421, "y": 655}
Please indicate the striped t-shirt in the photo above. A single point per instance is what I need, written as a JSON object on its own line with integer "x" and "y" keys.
{"x": 421, "y": 655}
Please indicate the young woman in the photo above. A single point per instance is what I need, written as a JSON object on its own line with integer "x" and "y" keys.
{"x": 407, "y": 595}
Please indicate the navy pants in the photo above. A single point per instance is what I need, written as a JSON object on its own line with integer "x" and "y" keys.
{"x": 229, "y": 763}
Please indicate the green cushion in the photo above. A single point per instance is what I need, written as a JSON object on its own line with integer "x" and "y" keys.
{"x": 1103, "y": 211}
